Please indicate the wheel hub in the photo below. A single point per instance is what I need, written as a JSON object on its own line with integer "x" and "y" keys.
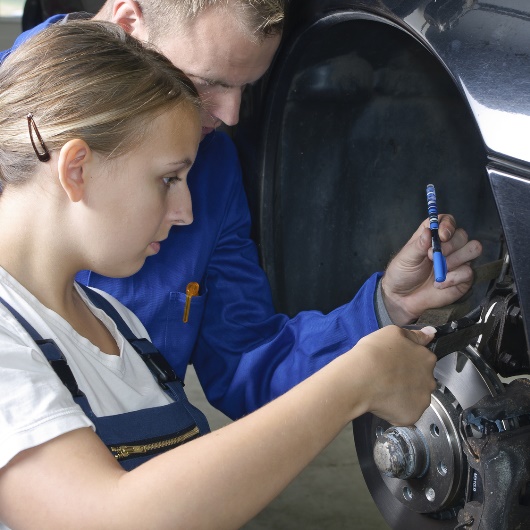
{"x": 416, "y": 474}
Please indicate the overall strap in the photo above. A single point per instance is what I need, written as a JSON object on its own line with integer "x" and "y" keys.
{"x": 154, "y": 360}
{"x": 180, "y": 413}
{"x": 52, "y": 352}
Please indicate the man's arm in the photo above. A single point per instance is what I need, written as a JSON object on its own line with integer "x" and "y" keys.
{"x": 246, "y": 353}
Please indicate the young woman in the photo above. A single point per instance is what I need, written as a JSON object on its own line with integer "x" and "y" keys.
{"x": 97, "y": 135}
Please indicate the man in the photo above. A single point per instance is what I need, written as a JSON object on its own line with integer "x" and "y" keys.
{"x": 245, "y": 354}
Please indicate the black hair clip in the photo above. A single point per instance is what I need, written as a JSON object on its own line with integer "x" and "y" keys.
{"x": 32, "y": 126}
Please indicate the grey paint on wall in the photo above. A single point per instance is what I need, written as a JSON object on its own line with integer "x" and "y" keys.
{"x": 10, "y": 28}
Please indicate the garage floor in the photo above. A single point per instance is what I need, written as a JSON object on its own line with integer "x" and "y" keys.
{"x": 328, "y": 495}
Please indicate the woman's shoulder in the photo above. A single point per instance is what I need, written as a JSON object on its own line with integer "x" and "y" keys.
{"x": 13, "y": 297}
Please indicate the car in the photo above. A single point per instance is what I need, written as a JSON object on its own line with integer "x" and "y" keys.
{"x": 367, "y": 103}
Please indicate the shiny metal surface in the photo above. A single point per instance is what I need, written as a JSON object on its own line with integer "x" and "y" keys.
{"x": 435, "y": 489}
{"x": 512, "y": 195}
{"x": 484, "y": 44}
{"x": 429, "y": 501}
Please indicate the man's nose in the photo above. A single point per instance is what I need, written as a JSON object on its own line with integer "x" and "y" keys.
{"x": 180, "y": 207}
{"x": 226, "y": 106}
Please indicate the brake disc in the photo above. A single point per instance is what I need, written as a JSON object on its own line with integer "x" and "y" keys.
{"x": 417, "y": 475}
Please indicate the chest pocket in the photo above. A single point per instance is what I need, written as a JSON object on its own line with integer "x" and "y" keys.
{"x": 132, "y": 437}
{"x": 180, "y": 337}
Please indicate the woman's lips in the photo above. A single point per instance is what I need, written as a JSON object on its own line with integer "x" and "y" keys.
{"x": 155, "y": 246}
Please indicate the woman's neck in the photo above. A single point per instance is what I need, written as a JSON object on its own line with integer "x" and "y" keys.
{"x": 34, "y": 247}
{"x": 40, "y": 249}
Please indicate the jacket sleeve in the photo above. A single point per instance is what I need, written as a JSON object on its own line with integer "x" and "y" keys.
{"x": 246, "y": 353}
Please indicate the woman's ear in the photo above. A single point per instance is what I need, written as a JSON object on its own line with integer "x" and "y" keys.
{"x": 72, "y": 166}
{"x": 128, "y": 14}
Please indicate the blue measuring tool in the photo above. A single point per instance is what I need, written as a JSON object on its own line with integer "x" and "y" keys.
{"x": 440, "y": 265}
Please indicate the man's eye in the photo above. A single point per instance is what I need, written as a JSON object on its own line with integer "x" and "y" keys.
{"x": 199, "y": 81}
{"x": 168, "y": 181}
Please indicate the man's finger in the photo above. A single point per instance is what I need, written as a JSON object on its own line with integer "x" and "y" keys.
{"x": 461, "y": 276}
{"x": 446, "y": 226}
{"x": 470, "y": 251}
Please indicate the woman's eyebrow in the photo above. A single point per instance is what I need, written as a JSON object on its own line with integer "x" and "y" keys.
{"x": 185, "y": 162}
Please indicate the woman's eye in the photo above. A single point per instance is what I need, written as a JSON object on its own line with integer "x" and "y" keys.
{"x": 168, "y": 181}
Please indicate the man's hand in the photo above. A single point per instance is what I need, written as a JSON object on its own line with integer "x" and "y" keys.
{"x": 408, "y": 284}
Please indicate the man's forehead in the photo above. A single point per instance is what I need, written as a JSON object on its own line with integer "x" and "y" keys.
{"x": 230, "y": 60}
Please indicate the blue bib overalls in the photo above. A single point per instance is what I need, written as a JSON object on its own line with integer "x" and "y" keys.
{"x": 132, "y": 437}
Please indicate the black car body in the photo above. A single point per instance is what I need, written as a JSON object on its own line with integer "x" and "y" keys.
{"x": 368, "y": 101}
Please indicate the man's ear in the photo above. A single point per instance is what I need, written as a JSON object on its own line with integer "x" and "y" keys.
{"x": 128, "y": 14}
{"x": 72, "y": 166}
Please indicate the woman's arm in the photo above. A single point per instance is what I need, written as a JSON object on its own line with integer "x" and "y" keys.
{"x": 224, "y": 478}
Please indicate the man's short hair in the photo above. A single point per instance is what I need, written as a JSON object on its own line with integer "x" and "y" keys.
{"x": 258, "y": 18}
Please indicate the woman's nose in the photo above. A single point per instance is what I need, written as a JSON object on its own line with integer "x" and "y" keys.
{"x": 180, "y": 206}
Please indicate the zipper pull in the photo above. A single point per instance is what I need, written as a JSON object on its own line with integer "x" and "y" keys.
{"x": 123, "y": 451}
{"x": 192, "y": 289}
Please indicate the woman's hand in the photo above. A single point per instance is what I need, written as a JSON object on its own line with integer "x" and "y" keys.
{"x": 398, "y": 373}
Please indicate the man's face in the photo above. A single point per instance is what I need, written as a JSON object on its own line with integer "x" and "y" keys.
{"x": 220, "y": 60}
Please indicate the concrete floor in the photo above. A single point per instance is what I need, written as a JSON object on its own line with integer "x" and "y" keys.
{"x": 330, "y": 494}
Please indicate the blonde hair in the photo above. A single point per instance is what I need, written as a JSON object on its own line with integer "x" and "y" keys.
{"x": 87, "y": 80}
{"x": 258, "y": 18}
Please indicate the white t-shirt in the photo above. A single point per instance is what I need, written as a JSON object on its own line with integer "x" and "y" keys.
{"x": 35, "y": 405}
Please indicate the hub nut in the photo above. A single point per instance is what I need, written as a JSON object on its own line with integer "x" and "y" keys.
{"x": 401, "y": 452}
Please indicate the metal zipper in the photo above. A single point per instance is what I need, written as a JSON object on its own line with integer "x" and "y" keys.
{"x": 125, "y": 451}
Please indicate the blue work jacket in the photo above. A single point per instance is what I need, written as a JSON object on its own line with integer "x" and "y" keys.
{"x": 245, "y": 354}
